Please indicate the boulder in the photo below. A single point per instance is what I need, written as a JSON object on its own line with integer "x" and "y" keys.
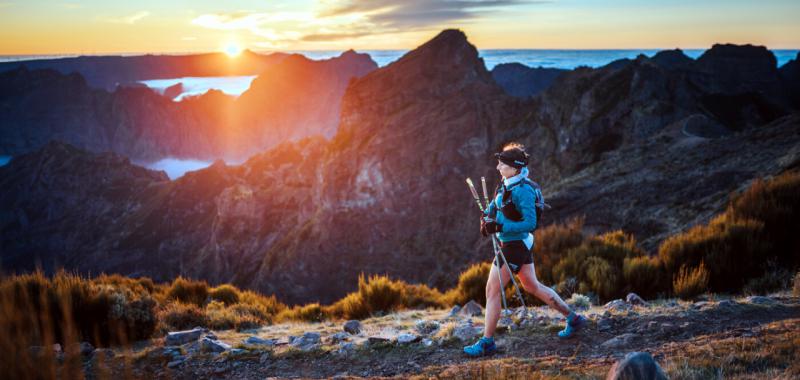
{"x": 178, "y": 338}
{"x": 211, "y": 345}
{"x": 761, "y": 300}
{"x": 406, "y": 338}
{"x": 307, "y": 342}
{"x": 634, "y": 299}
{"x": 466, "y": 331}
{"x": 619, "y": 341}
{"x": 636, "y": 366}
{"x": 471, "y": 309}
{"x": 617, "y": 305}
{"x": 339, "y": 337}
{"x": 256, "y": 341}
{"x": 454, "y": 311}
{"x": 352, "y": 327}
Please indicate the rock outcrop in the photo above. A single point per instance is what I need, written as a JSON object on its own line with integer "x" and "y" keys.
{"x": 292, "y": 99}
{"x": 523, "y": 81}
{"x": 386, "y": 195}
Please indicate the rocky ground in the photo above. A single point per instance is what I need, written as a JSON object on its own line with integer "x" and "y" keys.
{"x": 744, "y": 337}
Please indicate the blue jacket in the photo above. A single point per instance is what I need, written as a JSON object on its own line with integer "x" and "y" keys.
{"x": 524, "y": 196}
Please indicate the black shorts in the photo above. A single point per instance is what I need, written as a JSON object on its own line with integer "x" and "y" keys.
{"x": 517, "y": 255}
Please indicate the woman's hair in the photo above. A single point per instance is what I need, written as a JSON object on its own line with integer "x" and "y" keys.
{"x": 513, "y": 145}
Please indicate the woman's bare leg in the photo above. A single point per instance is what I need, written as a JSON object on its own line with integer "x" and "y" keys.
{"x": 493, "y": 300}
{"x": 527, "y": 276}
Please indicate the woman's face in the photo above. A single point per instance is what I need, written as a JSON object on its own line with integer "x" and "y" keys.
{"x": 505, "y": 170}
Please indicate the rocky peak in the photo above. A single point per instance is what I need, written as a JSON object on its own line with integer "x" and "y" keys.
{"x": 672, "y": 59}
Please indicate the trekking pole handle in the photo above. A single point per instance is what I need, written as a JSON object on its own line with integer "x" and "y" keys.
{"x": 485, "y": 192}
{"x": 474, "y": 193}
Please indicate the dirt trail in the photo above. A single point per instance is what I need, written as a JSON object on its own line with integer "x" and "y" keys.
{"x": 663, "y": 330}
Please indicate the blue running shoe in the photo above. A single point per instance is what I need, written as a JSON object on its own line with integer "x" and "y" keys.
{"x": 484, "y": 346}
{"x": 575, "y": 323}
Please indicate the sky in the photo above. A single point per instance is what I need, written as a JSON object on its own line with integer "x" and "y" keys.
{"x": 39, "y": 27}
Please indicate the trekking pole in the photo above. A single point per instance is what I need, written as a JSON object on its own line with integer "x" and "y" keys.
{"x": 494, "y": 244}
{"x": 496, "y": 249}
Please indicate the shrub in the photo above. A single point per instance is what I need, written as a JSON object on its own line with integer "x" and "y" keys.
{"x": 471, "y": 286}
{"x": 596, "y": 265}
{"x": 736, "y": 247}
{"x": 774, "y": 278}
{"x": 380, "y": 293}
{"x": 188, "y": 291}
{"x": 227, "y": 294}
{"x": 68, "y": 307}
{"x": 580, "y": 301}
{"x": 603, "y": 278}
{"x": 310, "y": 313}
{"x": 270, "y": 305}
{"x": 690, "y": 283}
{"x": 421, "y": 295}
{"x": 644, "y": 275}
{"x": 775, "y": 203}
{"x": 552, "y": 243}
{"x": 181, "y": 316}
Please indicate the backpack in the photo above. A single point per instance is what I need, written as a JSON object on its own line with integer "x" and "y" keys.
{"x": 511, "y": 212}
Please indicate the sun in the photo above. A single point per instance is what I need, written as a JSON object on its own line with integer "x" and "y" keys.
{"x": 232, "y": 49}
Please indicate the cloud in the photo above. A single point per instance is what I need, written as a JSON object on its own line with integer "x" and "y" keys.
{"x": 130, "y": 20}
{"x": 388, "y": 14}
{"x": 336, "y": 20}
{"x": 72, "y": 5}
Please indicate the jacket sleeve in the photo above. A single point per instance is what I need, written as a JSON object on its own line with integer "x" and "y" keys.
{"x": 525, "y": 201}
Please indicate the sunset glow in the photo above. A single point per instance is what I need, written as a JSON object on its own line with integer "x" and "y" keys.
{"x": 95, "y": 27}
{"x": 232, "y": 49}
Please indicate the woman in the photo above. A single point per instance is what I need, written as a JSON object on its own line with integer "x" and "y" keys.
{"x": 512, "y": 216}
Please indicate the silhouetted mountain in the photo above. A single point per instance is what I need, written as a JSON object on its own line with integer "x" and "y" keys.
{"x": 523, "y": 81}
{"x": 108, "y": 72}
{"x": 298, "y": 98}
{"x": 634, "y": 147}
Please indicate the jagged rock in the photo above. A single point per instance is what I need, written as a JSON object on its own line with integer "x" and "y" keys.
{"x": 634, "y": 299}
{"x": 724, "y": 304}
{"x": 619, "y": 341}
{"x": 178, "y": 338}
{"x": 406, "y": 338}
{"x": 636, "y": 366}
{"x": 471, "y": 309}
{"x": 264, "y": 358}
{"x": 339, "y": 337}
{"x": 307, "y": 342}
{"x": 617, "y": 305}
{"x": 346, "y": 348}
{"x": 254, "y": 340}
{"x": 211, "y": 345}
{"x": 426, "y": 327}
{"x": 700, "y": 304}
{"x": 377, "y": 340}
{"x": 523, "y": 81}
{"x": 427, "y": 342}
{"x": 352, "y": 327}
{"x": 761, "y": 300}
{"x": 211, "y": 336}
{"x": 454, "y": 311}
{"x": 466, "y": 331}
{"x": 176, "y": 362}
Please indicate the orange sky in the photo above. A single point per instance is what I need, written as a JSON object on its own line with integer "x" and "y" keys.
{"x": 97, "y": 27}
